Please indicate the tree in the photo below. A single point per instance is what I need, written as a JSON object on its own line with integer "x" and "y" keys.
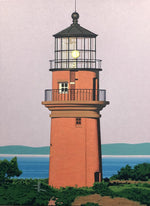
{"x": 141, "y": 172}
{"x": 9, "y": 169}
{"x": 125, "y": 172}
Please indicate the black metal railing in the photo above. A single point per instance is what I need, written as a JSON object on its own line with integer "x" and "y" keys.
{"x": 82, "y": 64}
{"x": 75, "y": 95}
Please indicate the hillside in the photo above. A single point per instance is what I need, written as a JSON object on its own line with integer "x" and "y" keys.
{"x": 107, "y": 149}
{"x": 126, "y": 149}
{"x": 24, "y": 150}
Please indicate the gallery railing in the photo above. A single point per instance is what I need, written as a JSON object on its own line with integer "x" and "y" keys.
{"x": 75, "y": 95}
{"x": 81, "y": 64}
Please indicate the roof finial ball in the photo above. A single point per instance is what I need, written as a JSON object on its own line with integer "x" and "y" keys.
{"x": 75, "y": 17}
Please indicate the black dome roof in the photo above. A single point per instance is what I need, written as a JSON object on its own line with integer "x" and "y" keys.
{"x": 75, "y": 30}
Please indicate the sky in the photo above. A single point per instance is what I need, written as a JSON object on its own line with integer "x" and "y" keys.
{"x": 27, "y": 45}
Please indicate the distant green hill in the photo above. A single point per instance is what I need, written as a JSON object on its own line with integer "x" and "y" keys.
{"x": 107, "y": 149}
{"x": 24, "y": 150}
{"x": 126, "y": 149}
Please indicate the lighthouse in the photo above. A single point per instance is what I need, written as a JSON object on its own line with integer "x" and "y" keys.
{"x": 75, "y": 102}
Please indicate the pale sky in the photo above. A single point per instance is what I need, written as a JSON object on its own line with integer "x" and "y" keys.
{"x": 26, "y": 45}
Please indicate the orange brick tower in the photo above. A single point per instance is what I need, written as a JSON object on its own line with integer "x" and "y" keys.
{"x": 75, "y": 101}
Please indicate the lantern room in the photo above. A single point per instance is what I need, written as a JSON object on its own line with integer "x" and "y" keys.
{"x": 75, "y": 48}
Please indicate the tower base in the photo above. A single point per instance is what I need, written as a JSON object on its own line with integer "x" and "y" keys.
{"x": 74, "y": 152}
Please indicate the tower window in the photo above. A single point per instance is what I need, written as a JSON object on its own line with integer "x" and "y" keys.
{"x": 63, "y": 87}
{"x": 78, "y": 121}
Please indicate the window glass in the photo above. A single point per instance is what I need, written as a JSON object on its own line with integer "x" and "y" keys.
{"x": 92, "y": 43}
{"x": 59, "y": 43}
{"x": 64, "y": 54}
{"x": 78, "y": 121}
{"x": 64, "y": 43}
{"x": 87, "y": 55}
{"x": 72, "y": 43}
{"x": 87, "y": 43}
{"x": 59, "y": 55}
{"x": 93, "y": 55}
{"x": 80, "y": 43}
{"x": 72, "y": 64}
{"x": 63, "y": 87}
{"x": 56, "y": 44}
{"x": 56, "y": 55}
{"x": 64, "y": 64}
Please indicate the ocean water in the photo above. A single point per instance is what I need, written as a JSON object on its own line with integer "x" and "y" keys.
{"x": 37, "y": 167}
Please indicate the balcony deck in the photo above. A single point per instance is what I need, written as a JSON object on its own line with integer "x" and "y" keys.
{"x": 75, "y": 102}
{"x": 75, "y": 95}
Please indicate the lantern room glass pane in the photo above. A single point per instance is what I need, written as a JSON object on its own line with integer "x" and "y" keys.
{"x": 87, "y": 54}
{"x": 56, "y": 44}
{"x": 64, "y": 54}
{"x": 81, "y": 55}
{"x": 72, "y": 64}
{"x": 64, "y": 65}
{"x": 59, "y": 44}
{"x": 87, "y": 43}
{"x": 92, "y": 43}
{"x": 70, "y": 55}
{"x": 59, "y": 55}
{"x": 72, "y": 43}
{"x": 92, "y": 55}
{"x": 64, "y": 43}
{"x": 80, "y": 43}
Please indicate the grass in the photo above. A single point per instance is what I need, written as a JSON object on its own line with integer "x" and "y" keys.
{"x": 121, "y": 187}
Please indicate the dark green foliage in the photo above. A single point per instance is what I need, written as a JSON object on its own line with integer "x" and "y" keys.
{"x": 136, "y": 194}
{"x": 9, "y": 169}
{"x": 13, "y": 169}
{"x": 25, "y": 192}
{"x": 125, "y": 173}
{"x": 106, "y": 179}
{"x": 102, "y": 189}
{"x": 90, "y": 204}
{"x": 139, "y": 172}
{"x": 67, "y": 195}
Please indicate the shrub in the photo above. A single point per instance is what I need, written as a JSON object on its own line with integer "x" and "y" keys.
{"x": 102, "y": 189}
{"x": 136, "y": 194}
{"x": 139, "y": 172}
{"x": 9, "y": 169}
{"x": 106, "y": 179}
{"x": 67, "y": 195}
{"x": 25, "y": 192}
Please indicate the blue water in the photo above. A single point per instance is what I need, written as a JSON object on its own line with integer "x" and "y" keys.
{"x": 37, "y": 167}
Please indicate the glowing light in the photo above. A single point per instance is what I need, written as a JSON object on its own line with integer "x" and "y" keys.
{"x": 75, "y": 54}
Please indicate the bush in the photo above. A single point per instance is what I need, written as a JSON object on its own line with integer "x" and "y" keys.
{"x": 106, "y": 179}
{"x": 67, "y": 195}
{"x": 9, "y": 169}
{"x": 102, "y": 189}
{"x": 136, "y": 194}
{"x": 25, "y": 192}
{"x": 124, "y": 174}
{"x": 139, "y": 172}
